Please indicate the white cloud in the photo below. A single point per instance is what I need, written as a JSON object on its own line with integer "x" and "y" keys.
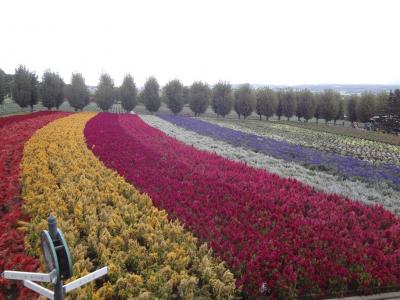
{"x": 276, "y": 42}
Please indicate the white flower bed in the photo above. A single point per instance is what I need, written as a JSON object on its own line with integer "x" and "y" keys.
{"x": 371, "y": 151}
{"x": 377, "y": 194}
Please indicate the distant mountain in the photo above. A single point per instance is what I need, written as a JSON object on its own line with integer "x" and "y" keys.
{"x": 344, "y": 89}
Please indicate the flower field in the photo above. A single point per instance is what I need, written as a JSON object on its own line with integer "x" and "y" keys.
{"x": 344, "y": 166}
{"x": 196, "y": 217}
{"x": 277, "y": 235}
{"x": 354, "y": 189}
{"x": 372, "y": 151}
{"x": 14, "y": 132}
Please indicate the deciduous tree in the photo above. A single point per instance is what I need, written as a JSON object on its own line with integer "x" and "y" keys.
{"x": 222, "y": 98}
{"x": 52, "y": 90}
{"x": 267, "y": 102}
{"x": 245, "y": 100}
{"x": 173, "y": 93}
{"x": 352, "y": 103}
{"x": 288, "y": 103}
{"x": 22, "y": 87}
{"x": 2, "y": 86}
{"x": 105, "y": 93}
{"x": 77, "y": 92}
{"x": 199, "y": 97}
{"x": 329, "y": 104}
{"x": 366, "y": 109}
{"x": 151, "y": 95}
{"x": 340, "y": 112}
{"x": 128, "y": 93}
{"x": 306, "y": 104}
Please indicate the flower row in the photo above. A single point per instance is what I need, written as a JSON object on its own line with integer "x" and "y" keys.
{"x": 277, "y": 235}
{"x": 14, "y": 132}
{"x": 376, "y": 194}
{"x": 18, "y": 118}
{"x": 108, "y": 222}
{"x": 371, "y": 151}
{"x": 344, "y": 166}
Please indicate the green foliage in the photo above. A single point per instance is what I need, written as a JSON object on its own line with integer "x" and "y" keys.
{"x": 186, "y": 95}
{"x": 199, "y": 97}
{"x": 279, "y": 107}
{"x": 318, "y": 106}
{"x": 222, "y": 98}
{"x": 245, "y": 101}
{"x": 128, "y": 93}
{"x": 390, "y": 115}
{"x": 173, "y": 93}
{"x": 2, "y": 86}
{"x": 306, "y": 104}
{"x": 382, "y": 100}
{"x": 52, "y": 90}
{"x": 352, "y": 103}
{"x": 266, "y": 102}
{"x": 366, "y": 109}
{"x": 22, "y": 87}
{"x": 105, "y": 94}
{"x": 288, "y": 103}
{"x": 340, "y": 112}
{"x": 34, "y": 91}
{"x": 77, "y": 93}
{"x": 150, "y": 95}
{"x": 329, "y": 104}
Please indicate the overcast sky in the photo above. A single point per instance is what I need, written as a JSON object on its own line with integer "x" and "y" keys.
{"x": 272, "y": 42}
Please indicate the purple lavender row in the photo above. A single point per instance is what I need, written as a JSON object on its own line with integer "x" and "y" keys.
{"x": 345, "y": 166}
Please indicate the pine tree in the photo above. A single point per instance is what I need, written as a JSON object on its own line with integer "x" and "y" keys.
{"x": 105, "y": 93}
{"x": 128, "y": 93}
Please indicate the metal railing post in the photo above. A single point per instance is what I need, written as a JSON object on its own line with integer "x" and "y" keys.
{"x": 58, "y": 286}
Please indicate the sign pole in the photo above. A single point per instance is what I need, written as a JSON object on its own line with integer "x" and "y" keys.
{"x": 59, "y": 265}
{"x": 58, "y": 286}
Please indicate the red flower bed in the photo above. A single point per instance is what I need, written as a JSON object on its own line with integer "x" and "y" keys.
{"x": 14, "y": 132}
{"x": 279, "y": 236}
{"x": 8, "y": 120}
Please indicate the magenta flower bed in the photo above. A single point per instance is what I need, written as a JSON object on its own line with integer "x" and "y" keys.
{"x": 279, "y": 236}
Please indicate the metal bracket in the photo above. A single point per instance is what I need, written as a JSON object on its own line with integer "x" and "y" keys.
{"x": 85, "y": 279}
{"x": 39, "y": 289}
{"x": 16, "y": 275}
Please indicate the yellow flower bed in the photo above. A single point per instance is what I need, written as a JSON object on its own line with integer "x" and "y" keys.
{"x": 106, "y": 221}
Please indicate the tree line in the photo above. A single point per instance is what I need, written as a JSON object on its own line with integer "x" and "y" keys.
{"x": 328, "y": 105}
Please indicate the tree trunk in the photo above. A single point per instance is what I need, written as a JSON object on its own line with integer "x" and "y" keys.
{"x": 260, "y": 117}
